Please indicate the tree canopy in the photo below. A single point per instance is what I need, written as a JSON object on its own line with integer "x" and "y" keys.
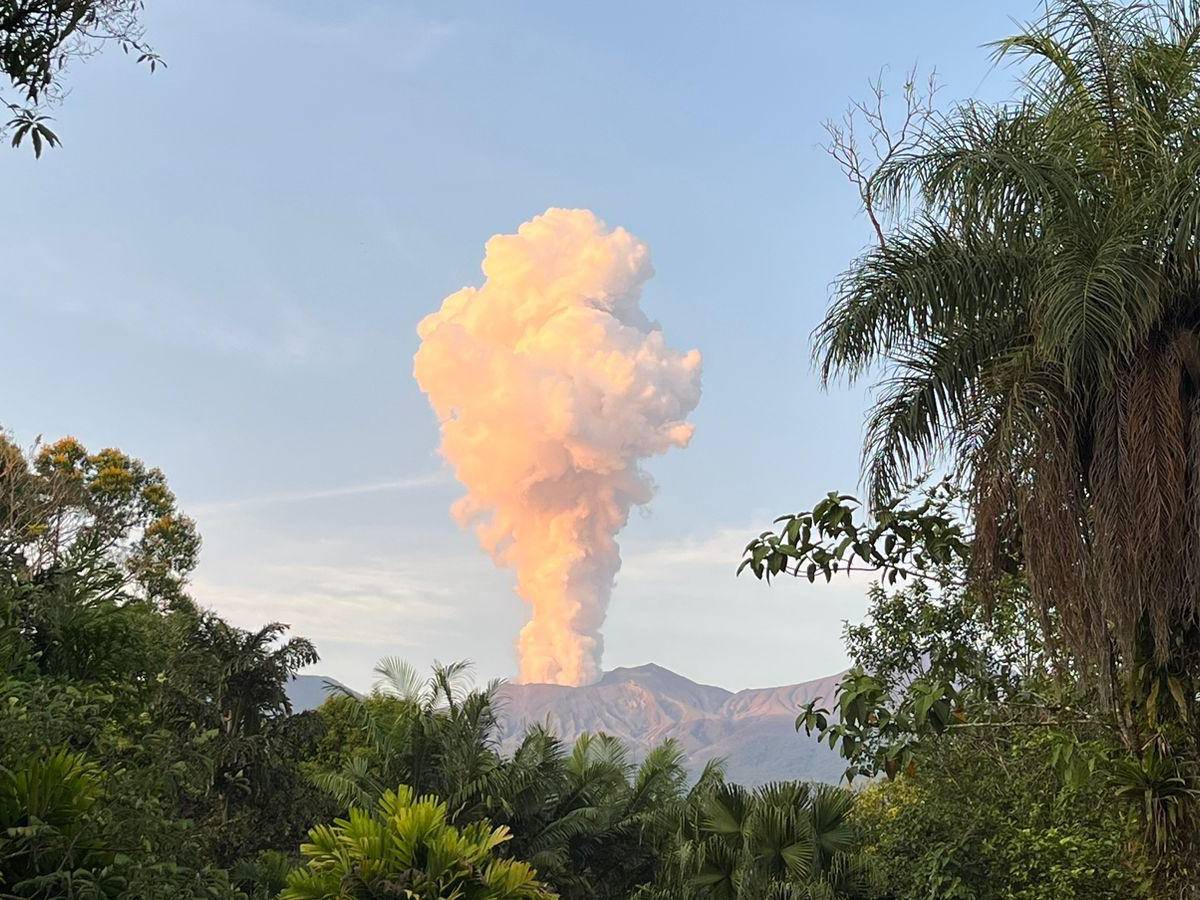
{"x": 1027, "y": 317}
{"x": 39, "y": 39}
{"x": 1032, "y": 309}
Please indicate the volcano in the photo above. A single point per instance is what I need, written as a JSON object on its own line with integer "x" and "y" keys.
{"x": 752, "y": 730}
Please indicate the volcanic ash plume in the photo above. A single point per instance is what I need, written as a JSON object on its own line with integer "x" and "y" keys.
{"x": 551, "y": 385}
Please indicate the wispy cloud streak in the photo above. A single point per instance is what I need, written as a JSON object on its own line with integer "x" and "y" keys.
{"x": 411, "y": 483}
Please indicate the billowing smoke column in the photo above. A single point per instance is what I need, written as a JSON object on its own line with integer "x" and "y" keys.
{"x": 551, "y": 384}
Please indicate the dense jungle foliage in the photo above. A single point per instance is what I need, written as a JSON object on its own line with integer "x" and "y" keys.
{"x": 147, "y": 750}
{"x": 1021, "y": 718}
{"x": 1028, "y": 319}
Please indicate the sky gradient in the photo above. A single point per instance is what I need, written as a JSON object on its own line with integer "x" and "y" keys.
{"x": 222, "y": 269}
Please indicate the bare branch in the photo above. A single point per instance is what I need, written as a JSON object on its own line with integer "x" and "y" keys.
{"x": 886, "y": 137}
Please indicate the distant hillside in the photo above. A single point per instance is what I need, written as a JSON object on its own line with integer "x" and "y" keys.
{"x": 309, "y": 691}
{"x": 754, "y": 730}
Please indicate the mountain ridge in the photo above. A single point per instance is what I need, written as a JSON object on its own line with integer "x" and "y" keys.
{"x": 752, "y": 729}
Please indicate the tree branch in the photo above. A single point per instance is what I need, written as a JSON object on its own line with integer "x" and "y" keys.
{"x": 887, "y": 139}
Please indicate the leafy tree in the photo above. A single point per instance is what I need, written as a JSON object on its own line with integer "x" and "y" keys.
{"x": 783, "y": 840}
{"x": 1006, "y": 772}
{"x": 930, "y": 653}
{"x": 926, "y": 650}
{"x": 48, "y": 840}
{"x": 986, "y": 814}
{"x": 38, "y": 38}
{"x": 902, "y": 540}
{"x": 181, "y": 717}
{"x": 1030, "y": 304}
{"x": 63, "y": 508}
{"x": 405, "y": 847}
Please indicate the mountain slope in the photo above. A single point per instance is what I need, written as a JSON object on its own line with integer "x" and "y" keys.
{"x": 754, "y": 730}
{"x": 309, "y": 691}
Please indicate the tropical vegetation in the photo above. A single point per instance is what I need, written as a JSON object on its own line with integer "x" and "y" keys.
{"x": 1028, "y": 317}
{"x": 405, "y": 847}
{"x": 148, "y": 748}
{"x": 1021, "y": 716}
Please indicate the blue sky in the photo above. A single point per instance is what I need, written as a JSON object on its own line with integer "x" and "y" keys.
{"x": 222, "y": 269}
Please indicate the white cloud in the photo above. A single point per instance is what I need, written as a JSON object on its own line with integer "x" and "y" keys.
{"x": 414, "y": 482}
{"x": 679, "y": 603}
{"x": 382, "y": 605}
{"x": 720, "y": 551}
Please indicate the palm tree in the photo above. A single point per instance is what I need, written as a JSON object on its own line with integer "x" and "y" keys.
{"x": 255, "y": 668}
{"x": 235, "y": 682}
{"x": 1033, "y": 312}
{"x": 396, "y": 677}
{"x": 437, "y": 737}
{"x": 48, "y": 841}
{"x": 589, "y": 819}
{"x": 784, "y": 840}
{"x": 405, "y": 847}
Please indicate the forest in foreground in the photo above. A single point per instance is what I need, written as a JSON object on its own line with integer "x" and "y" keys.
{"x": 1021, "y": 718}
{"x": 149, "y": 751}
